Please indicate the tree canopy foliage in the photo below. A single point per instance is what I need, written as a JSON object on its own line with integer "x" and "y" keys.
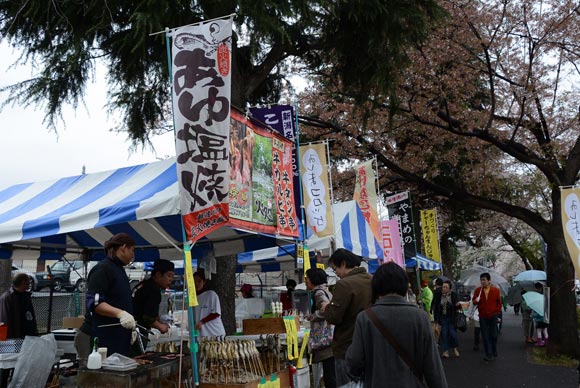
{"x": 67, "y": 38}
{"x": 486, "y": 116}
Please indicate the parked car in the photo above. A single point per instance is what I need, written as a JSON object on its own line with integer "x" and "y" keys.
{"x": 33, "y": 281}
{"x": 61, "y": 272}
{"x": 78, "y": 277}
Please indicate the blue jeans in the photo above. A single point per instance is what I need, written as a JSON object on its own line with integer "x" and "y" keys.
{"x": 448, "y": 338}
{"x": 489, "y": 335}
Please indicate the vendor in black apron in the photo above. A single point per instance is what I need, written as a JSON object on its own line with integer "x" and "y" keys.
{"x": 147, "y": 298}
{"x": 109, "y": 296}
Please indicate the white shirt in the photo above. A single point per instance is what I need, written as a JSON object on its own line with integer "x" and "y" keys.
{"x": 208, "y": 303}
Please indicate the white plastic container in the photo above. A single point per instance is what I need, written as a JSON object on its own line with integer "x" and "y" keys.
{"x": 302, "y": 377}
{"x": 95, "y": 360}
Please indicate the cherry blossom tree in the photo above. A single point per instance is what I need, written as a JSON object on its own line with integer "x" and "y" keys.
{"x": 486, "y": 117}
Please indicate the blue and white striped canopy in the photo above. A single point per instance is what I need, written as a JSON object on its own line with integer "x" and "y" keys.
{"x": 352, "y": 232}
{"x": 46, "y": 220}
{"x": 424, "y": 262}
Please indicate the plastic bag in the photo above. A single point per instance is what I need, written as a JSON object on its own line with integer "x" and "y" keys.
{"x": 34, "y": 362}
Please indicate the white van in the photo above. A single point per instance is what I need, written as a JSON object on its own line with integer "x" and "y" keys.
{"x": 78, "y": 278}
{"x": 79, "y": 275}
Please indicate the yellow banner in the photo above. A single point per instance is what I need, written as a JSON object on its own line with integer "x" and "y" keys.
{"x": 365, "y": 195}
{"x": 315, "y": 192}
{"x": 189, "y": 277}
{"x": 430, "y": 234}
{"x": 571, "y": 224}
{"x": 306, "y": 259}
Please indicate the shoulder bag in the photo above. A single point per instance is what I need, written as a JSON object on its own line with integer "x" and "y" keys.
{"x": 321, "y": 333}
{"x": 403, "y": 354}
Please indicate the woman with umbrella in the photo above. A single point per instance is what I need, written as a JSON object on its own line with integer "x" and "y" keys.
{"x": 536, "y": 302}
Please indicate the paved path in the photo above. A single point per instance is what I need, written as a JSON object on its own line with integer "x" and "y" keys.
{"x": 511, "y": 368}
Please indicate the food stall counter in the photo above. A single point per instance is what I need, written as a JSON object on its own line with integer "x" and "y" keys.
{"x": 155, "y": 370}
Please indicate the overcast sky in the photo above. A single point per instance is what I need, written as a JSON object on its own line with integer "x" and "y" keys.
{"x": 30, "y": 152}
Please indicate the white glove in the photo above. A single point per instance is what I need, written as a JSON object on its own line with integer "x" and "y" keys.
{"x": 127, "y": 320}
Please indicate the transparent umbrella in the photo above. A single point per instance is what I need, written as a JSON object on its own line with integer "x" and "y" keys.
{"x": 532, "y": 275}
{"x": 470, "y": 278}
{"x": 514, "y": 295}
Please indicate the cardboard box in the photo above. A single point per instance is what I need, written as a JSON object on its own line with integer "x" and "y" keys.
{"x": 266, "y": 326}
{"x": 72, "y": 322}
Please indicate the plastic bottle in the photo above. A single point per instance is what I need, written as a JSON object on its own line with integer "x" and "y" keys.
{"x": 293, "y": 377}
{"x": 94, "y": 361}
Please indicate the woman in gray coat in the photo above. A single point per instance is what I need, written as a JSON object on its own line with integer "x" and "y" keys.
{"x": 371, "y": 355}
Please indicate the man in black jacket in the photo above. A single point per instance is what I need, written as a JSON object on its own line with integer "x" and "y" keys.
{"x": 17, "y": 313}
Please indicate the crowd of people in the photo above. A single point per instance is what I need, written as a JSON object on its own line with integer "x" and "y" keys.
{"x": 368, "y": 331}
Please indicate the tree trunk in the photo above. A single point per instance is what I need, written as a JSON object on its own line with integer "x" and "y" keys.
{"x": 563, "y": 328}
{"x": 224, "y": 284}
{"x": 447, "y": 256}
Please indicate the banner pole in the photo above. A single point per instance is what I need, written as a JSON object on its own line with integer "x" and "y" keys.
{"x": 438, "y": 238}
{"x": 191, "y": 316}
{"x": 329, "y": 172}
{"x": 297, "y": 142}
{"x": 414, "y": 239}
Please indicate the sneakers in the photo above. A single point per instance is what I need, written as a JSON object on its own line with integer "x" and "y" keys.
{"x": 455, "y": 352}
{"x": 445, "y": 354}
{"x": 540, "y": 342}
{"x": 530, "y": 340}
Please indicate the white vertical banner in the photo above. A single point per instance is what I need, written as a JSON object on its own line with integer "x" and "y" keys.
{"x": 201, "y": 75}
{"x": 315, "y": 188}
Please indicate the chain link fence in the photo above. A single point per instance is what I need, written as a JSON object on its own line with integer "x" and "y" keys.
{"x": 73, "y": 304}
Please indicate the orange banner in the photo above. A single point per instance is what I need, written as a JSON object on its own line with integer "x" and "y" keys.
{"x": 365, "y": 194}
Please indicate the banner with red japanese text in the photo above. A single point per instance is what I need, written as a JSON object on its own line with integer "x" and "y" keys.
{"x": 399, "y": 208}
{"x": 281, "y": 118}
{"x": 430, "y": 234}
{"x": 201, "y": 76}
{"x": 315, "y": 192}
{"x": 391, "y": 242}
{"x": 261, "y": 195}
{"x": 365, "y": 194}
{"x": 571, "y": 224}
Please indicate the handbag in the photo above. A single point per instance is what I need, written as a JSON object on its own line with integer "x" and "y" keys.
{"x": 436, "y": 328}
{"x": 395, "y": 344}
{"x": 461, "y": 321}
{"x": 321, "y": 333}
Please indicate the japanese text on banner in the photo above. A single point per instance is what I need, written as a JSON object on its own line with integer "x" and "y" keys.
{"x": 201, "y": 107}
{"x": 281, "y": 119}
{"x": 399, "y": 207}
{"x": 261, "y": 195}
{"x": 430, "y": 234}
{"x": 571, "y": 224}
{"x": 391, "y": 242}
{"x": 315, "y": 190}
{"x": 365, "y": 194}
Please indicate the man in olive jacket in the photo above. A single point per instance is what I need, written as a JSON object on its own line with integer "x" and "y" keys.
{"x": 351, "y": 295}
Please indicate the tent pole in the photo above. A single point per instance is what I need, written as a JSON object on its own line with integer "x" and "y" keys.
{"x": 191, "y": 318}
{"x": 165, "y": 237}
